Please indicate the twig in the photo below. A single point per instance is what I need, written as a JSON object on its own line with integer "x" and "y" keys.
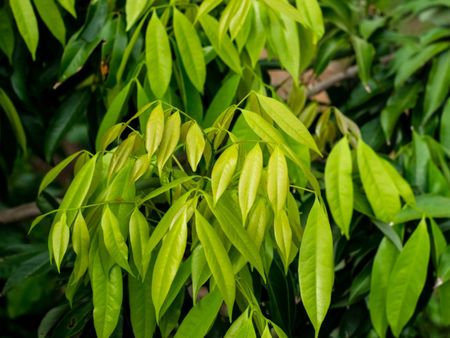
{"x": 19, "y": 213}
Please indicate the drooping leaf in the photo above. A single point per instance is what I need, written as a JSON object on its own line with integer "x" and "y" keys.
{"x": 403, "y": 187}
{"x": 444, "y": 131}
{"x": 339, "y": 185}
{"x": 429, "y": 205}
{"x": 139, "y": 235}
{"x": 154, "y": 130}
{"x": 50, "y": 14}
{"x": 206, "y": 7}
{"x": 13, "y": 116}
{"x": 223, "y": 171}
{"x": 407, "y": 279}
{"x": 195, "y": 145}
{"x": 169, "y": 141}
{"x": 283, "y": 237}
{"x": 316, "y": 267}
{"x": 69, "y": 6}
{"x": 255, "y": 46}
{"x": 438, "y": 243}
{"x": 286, "y": 9}
{"x": 200, "y": 271}
{"x": 81, "y": 244}
{"x": 190, "y": 50}
{"x": 277, "y": 180}
{"x": 364, "y": 52}
{"x": 134, "y": 9}
{"x": 242, "y": 327}
{"x": 142, "y": 313}
{"x": 218, "y": 260}
{"x": 26, "y": 22}
{"x": 158, "y": 56}
{"x": 7, "y": 39}
{"x": 60, "y": 235}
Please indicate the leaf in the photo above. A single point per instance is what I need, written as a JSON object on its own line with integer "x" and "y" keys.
{"x": 13, "y": 116}
{"x": 249, "y": 180}
{"x": 437, "y": 85}
{"x": 438, "y": 243}
{"x": 139, "y": 235}
{"x": 232, "y": 227}
{"x": 81, "y": 245}
{"x": 190, "y": 49}
{"x": 169, "y": 141}
{"x": 133, "y": 10}
{"x": 255, "y": 45}
{"x": 7, "y": 38}
{"x": 69, "y": 6}
{"x": 201, "y": 317}
{"x": 238, "y": 18}
{"x": 389, "y": 232}
{"x": 107, "y": 295}
{"x": 158, "y": 56}
{"x": 383, "y": 263}
{"x": 195, "y": 145}
{"x": 142, "y": 313}
{"x": 444, "y": 130}
{"x": 429, "y": 205}
{"x": 223, "y": 171}
{"x": 207, "y": 6}
{"x": 218, "y": 260}
{"x": 166, "y": 187}
{"x": 443, "y": 271}
{"x": 242, "y": 327}
{"x": 223, "y": 46}
{"x": 277, "y": 180}
{"x": 26, "y": 23}
{"x": 282, "y": 7}
{"x": 310, "y": 9}
{"x": 403, "y": 187}
{"x": 364, "y": 52}
{"x": 287, "y": 121}
{"x": 113, "y": 238}
{"x": 316, "y": 268}
{"x": 283, "y": 237}
{"x": 51, "y": 318}
{"x": 154, "y": 130}
{"x": 49, "y": 13}
{"x": 168, "y": 262}
{"x": 60, "y": 235}
{"x": 408, "y": 279}
{"x": 380, "y": 190}
{"x": 200, "y": 271}
{"x": 339, "y": 185}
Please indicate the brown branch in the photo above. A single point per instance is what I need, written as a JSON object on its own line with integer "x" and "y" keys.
{"x": 19, "y": 213}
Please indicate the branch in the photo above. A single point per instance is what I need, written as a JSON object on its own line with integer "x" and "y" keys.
{"x": 348, "y": 73}
{"x": 19, "y": 213}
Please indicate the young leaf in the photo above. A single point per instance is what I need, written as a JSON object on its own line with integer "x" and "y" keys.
{"x": 113, "y": 239}
{"x": 283, "y": 237}
{"x": 408, "y": 279}
{"x": 133, "y": 10}
{"x": 238, "y": 18}
{"x": 381, "y": 271}
{"x": 249, "y": 180}
{"x": 206, "y": 6}
{"x": 49, "y": 13}
{"x": 142, "y": 313}
{"x": 277, "y": 180}
{"x": 169, "y": 141}
{"x": 81, "y": 245}
{"x": 154, "y": 130}
{"x": 195, "y": 145}
{"x": 316, "y": 268}
{"x": 223, "y": 171}
{"x": 339, "y": 185}
{"x": 201, "y": 317}
{"x": 255, "y": 45}
{"x": 60, "y": 234}
{"x": 285, "y": 8}
{"x": 168, "y": 262}
{"x": 139, "y": 235}
{"x": 242, "y": 327}
{"x": 158, "y": 56}
{"x": 287, "y": 121}
{"x": 107, "y": 290}
{"x": 310, "y": 9}
{"x": 190, "y": 49}
{"x": 218, "y": 260}
{"x": 26, "y": 22}
{"x": 379, "y": 187}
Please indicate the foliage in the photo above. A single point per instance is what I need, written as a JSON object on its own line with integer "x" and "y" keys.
{"x": 206, "y": 206}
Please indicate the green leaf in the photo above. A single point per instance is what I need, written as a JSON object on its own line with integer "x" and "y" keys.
{"x": 444, "y": 130}
{"x": 200, "y": 271}
{"x": 190, "y": 49}
{"x": 139, "y": 235}
{"x": 154, "y": 130}
{"x": 282, "y": 7}
{"x": 381, "y": 191}
{"x": 249, "y": 180}
{"x": 113, "y": 239}
{"x": 169, "y": 141}
{"x": 364, "y": 52}
{"x": 158, "y": 56}
{"x": 238, "y": 18}
{"x": 56, "y": 170}
{"x": 142, "y": 313}
{"x": 166, "y": 187}
{"x": 310, "y": 9}
{"x": 26, "y": 23}
{"x": 69, "y": 6}
{"x": 242, "y": 327}
{"x": 60, "y": 235}
{"x": 408, "y": 279}
{"x": 255, "y": 45}
{"x": 438, "y": 243}
{"x": 201, "y": 317}
{"x": 277, "y": 180}
{"x": 223, "y": 171}
{"x": 231, "y": 225}
{"x": 283, "y": 237}
{"x": 287, "y": 121}
{"x": 49, "y": 13}
{"x": 207, "y": 6}
{"x": 107, "y": 295}
{"x": 339, "y": 185}
{"x": 218, "y": 260}
{"x": 134, "y": 9}
{"x": 223, "y": 47}
{"x": 195, "y": 145}
{"x": 13, "y": 116}
{"x": 429, "y": 205}
{"x": 443, "y": 270}
{"x": 316, "y": 268}
{"x": 7, "y": 39}
{"x": 403, "y": 187}
{"x": 381, "y": 271}
{"x": 81, "y": 244}
{"x": 168, "y": 262}
{"x": 437, "y": 85}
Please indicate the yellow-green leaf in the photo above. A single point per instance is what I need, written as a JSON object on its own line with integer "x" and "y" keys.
{"x": 170, "y": 139}
{"x": 258, "y": 221}
{"x": 49, "y": 13}
{"x": 249, "y": 180}
{"x": 339, "y": 185}
{"x": 139, "y": 235}
{"x": 277, "y": 180}
{"x": 195, "y": 145}
{"x": 316, "y": 268}
{"x": 283, "y": 237}
{"x": 223, "y": 171}
{"x": 310, "y": 9}
{"x": 81, "y": 245}
{"x": 26, "y": 22}
{"x": 69, "y": 6}
{"x": 154, "y": 130}
{"x": 60, "y": 235}
{"x": 133, "y": 10}
{"x": 403, "y": 187}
